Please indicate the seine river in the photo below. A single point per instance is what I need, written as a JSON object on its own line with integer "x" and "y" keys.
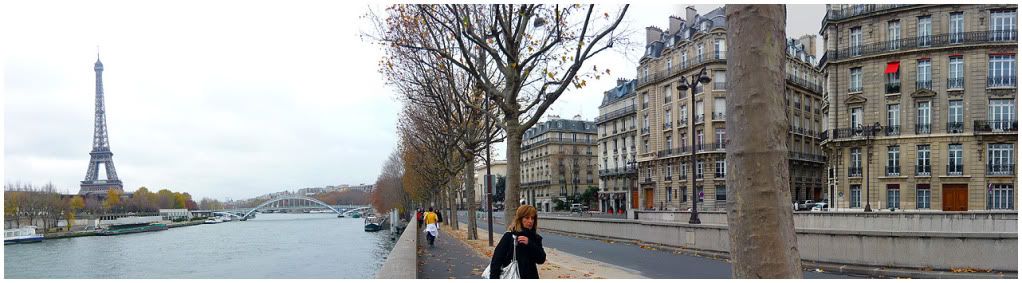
{"x": 275, "y": 246}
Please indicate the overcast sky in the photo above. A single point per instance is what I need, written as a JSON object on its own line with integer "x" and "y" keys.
{"x": 225, "y": 99}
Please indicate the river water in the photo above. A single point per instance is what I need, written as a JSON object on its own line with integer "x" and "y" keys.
{"x": 275, "y": 246}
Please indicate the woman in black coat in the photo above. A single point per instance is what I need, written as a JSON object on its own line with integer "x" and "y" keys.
{"x": 530, "y": 245}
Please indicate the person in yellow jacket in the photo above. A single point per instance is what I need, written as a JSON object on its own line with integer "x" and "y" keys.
{"x": 432, "y": 227}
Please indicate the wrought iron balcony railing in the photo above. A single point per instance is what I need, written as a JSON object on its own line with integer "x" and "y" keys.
{"x": 853, "y": 89}
{"x": 719, "y": 85}
{"x": 955, "y": 83}
{"x": 854, "y": 171}
{"x": 996, "y": 126}
{"x": 937, "y": 40}
{"x": 892, "y": 87}
{"x": 922, "y": 129}
{"x": 1001, "y": 81}
{"x": 859, "y": 9}
{"x": 955, "y": 169}
{"x": 923, "y": 170}
{"x": 892, "y": 130}
{"x": 924, "y": 85}
{"x": 892, "y": 170}
{"x": 615, "y": 114}
{"x": 699, "y": 118}
{"x": 719, "y": 116}
{"x": 955, "y": 127}
{"x": 1000, "y": 169}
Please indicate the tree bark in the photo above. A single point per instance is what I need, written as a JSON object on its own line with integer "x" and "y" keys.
{"x": 514, "y": 173}
{"x": 452, "y": 198}
{"x": 760, "y": 225}
{"x": 470, "y": 194}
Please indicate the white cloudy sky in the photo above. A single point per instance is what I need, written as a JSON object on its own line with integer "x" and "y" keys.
{"x": 223, "y": 99}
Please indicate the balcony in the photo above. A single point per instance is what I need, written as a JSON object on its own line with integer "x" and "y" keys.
{"x": 922, "y": 129}
{"x": 804, "y": 83}
{"x": 644, "y": 131}
{"x": 699, "y": 88}
{"x": 719, "y": 175}
{"x": 927, "y": 85}
{"x": 854, "y": 89}
{"x": 647, "y": 180}
{"x": 1001, "y": 169}
{"x": 955, "y": 83}
{"x": 892, "y": 170}
{"x": 667, "y": 126}
{"x": 854, "y": 171}
{"x": 995, "y": 126}
{"x": 717, "y": 146}
{"x": 668, "y": 178}
{"x": 719, "y": 85}
{"x": 894, "y": 87}
{"x": 955, "y": 170}
{"x": 955, "y": 127}
{"x": 699, "y": 118}
{"x": 1001, "y": 82}
{"x": 923, "y": 170}
{"x": 616, "y": 114}
{"x": 939, "y": 40}
{"x": 682, "y": 122}
{"x": 859, "y": 9}
{"x": 892, "y": 130}
{"x": 719, "y": 116}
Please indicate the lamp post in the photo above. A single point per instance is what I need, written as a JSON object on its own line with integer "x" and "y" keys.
{"x": 684, "y": 85}
{"x": 489, "y": 188}
{"x": 869, "y": 132}
{"x": 630, "y": 165}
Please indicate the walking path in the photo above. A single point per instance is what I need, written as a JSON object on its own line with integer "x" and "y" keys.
{"x": 449, "y": 258}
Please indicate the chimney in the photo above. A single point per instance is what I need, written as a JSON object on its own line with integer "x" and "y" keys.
{"x": 578, "y": 117}
{"x": 653, "y": 34}
{"x": 690, "y": 14}
{"x": 809, "y": 43}
{"x": 621, "y": 81}
{"x": 676, "y": 24}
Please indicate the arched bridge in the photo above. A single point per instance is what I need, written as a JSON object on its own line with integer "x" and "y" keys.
{"x": 285, "y": 201}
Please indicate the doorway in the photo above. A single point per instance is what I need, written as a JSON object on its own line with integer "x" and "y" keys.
{"x": 955, "y": 197}
{"x": 649, "y": 198}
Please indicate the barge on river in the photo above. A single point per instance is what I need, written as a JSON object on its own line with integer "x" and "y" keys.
{"x": 131, "y": 228}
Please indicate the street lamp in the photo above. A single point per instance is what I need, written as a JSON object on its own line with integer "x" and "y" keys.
{"x": 630, "y": 165}
{"x": 684, "y": 85}
{"x": 869, "y": 132}
{"x": 489, "y": 187}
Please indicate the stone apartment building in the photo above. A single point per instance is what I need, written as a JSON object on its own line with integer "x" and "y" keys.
{"x": 920, "y": 106}
{"x": 498, "y": 168}
{"x": 558, "y": 160}
{"x": 617, "y": 146}
{"x": 665, "y": 153}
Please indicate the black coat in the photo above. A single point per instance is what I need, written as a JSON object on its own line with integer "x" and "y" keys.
{"x": 528, "y": 255}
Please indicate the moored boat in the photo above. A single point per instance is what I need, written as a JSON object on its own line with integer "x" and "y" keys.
{"x": 21, "y": 235}
{"x": 372, "y": 224}
{"x": 131, "y": 228}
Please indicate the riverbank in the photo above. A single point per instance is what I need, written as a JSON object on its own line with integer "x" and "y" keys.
{"x": 75, "y": 234}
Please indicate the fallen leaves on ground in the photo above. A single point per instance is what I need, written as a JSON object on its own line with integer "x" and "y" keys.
{"x": 969, "y": 270}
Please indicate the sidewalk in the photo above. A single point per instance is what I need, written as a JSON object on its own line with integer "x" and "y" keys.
{"x": 449, "y": 258}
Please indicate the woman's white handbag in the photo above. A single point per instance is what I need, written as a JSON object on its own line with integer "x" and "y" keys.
{"x": 511, "y": 270}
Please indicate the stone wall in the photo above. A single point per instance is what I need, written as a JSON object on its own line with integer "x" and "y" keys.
{"x": 936, "y": 221}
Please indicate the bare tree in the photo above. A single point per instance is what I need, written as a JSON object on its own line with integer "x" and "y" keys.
{"x": 523, "y": 57}
{"x": 760, "y": 225}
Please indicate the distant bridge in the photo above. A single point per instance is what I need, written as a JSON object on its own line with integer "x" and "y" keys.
{"x": 289, "y": 202}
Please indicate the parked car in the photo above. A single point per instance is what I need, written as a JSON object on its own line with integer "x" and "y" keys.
{"x": 804, "y": 205}
{"x": 578, "y": 207}
{"x": 819, "y": 206}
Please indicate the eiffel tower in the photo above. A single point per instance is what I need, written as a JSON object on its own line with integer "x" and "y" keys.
{"x": 100, "y": 147}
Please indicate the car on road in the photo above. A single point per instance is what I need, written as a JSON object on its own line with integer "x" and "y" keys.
{"x": 803, "y": 205}
{"x": 819, "y": 206}
{"x": 578, "y": 207}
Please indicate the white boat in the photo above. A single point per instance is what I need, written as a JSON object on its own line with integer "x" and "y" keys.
{"x": 21, "y": 235}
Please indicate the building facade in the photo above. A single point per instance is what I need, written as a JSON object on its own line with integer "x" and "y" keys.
{"x": 558, "y": 160}
{"x": 666, "y": 155}
{"x": 920, "y": 106}
{"x": 618, "y": 134}
{"x": 498, "y": 168}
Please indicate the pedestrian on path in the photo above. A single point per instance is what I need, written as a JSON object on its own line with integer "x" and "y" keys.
{"x": 418, "y": 217}
{"x": 432, "y": 228}
{"x": 522, "y": 243}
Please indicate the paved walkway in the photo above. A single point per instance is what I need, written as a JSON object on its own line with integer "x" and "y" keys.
{"x": 449, "y": 258}
{"x": 649, "y": 262}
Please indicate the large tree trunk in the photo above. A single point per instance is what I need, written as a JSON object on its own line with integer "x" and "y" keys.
{"x": 514, "y": 165}
{"x": 760, "y": 225}
{"x": 470, "y": 194}
{"x": 452, "y": 216}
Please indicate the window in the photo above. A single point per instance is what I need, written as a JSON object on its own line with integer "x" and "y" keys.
{"x": 669, "y": 194}
{"x": 923, "y": 196}
{"x": 683, "y": 194}
{"x": 719, "y": 80}
{"x": 855, "y": 196}
{"x": 668, "y": 143}
{"x": 699, "y": 191}
{"x": 1002, "y": 71}
{"x": 1001, "y": 113}
{"x": 855, "y": 41}
{"x": 645, "y": 121}
{"x": 893, "y": 34}
{"x": 999, "y": 156}
{"x": 721, "y": 194}
{"x": 956, "y": 73}
{"x": 682, "y": 169}
{"x": 721, "y": 168}
{"x": 645, "y": 100}
{"x": 893, "y": 162}
{"x": 720, "y": 49}
{"x": 893, "y": 73}
{"x": 954, "y": 159}
{"x": 1002, "y": 25}
{"x": 667, "y": 95}
{"x": 856, "y": 117}
{"x": 721, "y": 134}
{"x": 684, "y": 59}
{"x": 667, "y": 119}
{"x": 645, "y": 145}
{"x": 719, "y": 108}
{"x": 925, "y": 31}
{"x": 1001, "y": 196}
{"x": 924, "y": 80}
{"x": 893, "y": 118}
{"x": 699, "y": 53}
{"x": 955, "y": 124}
{"x": 855, "y": 170}
{"x": 699, "y": 111}
{"x": 957, "y": 27}
{"x": 699, "y": 169}
{"x": 855, "y": 79}
{"x": 645, "y": 74}
{"x": 893, "y": 196}
{"x": 923, "y": 117}
{"x": 923, "y": 160}
{"x": 699, "y": 138}
{"x": 669, "y": 61}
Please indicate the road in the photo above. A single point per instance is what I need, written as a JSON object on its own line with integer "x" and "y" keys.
{"x": 650, "y": 263}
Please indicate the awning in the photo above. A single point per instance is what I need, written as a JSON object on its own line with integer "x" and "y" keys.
{"x": 892, "y": 67}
